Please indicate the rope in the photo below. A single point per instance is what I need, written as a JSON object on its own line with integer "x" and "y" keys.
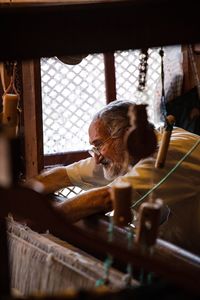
{"x": 168, "y": 174}
{"x": 11, "y": 88}
{"x": 163, "y": 99}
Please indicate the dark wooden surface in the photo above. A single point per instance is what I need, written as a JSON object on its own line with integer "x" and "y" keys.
{"x": 36, "y": 30}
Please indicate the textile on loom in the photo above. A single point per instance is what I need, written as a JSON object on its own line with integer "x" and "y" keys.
{"x": 43, "y": 263}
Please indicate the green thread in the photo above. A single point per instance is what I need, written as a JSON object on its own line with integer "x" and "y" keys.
{"x": 100, "y": 282}
{"x": 107, "y": 264}
{"x": 109, "y": 260}
{"x": 110, "y": 230}
{"x": 130, "y": 238}
{"x": 150, "y": 278}
{"x": 129, "y": 268}
{"x": 168, "y": 174}
{"x": 142, "y": 280}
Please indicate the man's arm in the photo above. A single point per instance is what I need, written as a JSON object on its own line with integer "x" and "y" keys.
{"x": 88, "y": 203}
{"x": 52, "y": 180}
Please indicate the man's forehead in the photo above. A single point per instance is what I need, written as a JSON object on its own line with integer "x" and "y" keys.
{"x": 97, "y": 131}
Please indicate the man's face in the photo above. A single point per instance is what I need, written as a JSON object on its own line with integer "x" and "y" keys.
{"x": 112, "y": 152}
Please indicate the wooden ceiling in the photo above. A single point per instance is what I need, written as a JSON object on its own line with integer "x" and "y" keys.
{"x": 32, "y": 29}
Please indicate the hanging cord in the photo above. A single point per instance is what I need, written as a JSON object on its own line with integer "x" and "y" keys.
{"x": 143, "y": 67}
{"x": 169, "y": 122}
{"x": 194, "y": 69}
{"x": 11, "y": 89}
{"x": 168, "y": 174}
{"x": 163, "y": 98}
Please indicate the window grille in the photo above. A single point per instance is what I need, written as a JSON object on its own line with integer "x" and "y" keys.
{"x": 69, "y": 192}
{"x": 71, "y": 95}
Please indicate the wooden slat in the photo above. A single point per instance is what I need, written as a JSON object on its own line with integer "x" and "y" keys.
{"x": 64, "y": 158}
{"x": 33, "y": 134}
{"x": 95, "y": 26}
{"x": 99, "y": 223}
{"x": 54, "y": 2}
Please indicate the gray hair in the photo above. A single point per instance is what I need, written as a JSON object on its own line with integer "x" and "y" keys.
{"x": 115, "y": 116}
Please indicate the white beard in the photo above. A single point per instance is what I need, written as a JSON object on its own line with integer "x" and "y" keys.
{"x": 112, "y": 170}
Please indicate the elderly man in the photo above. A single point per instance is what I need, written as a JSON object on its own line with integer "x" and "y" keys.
{"x": 180, "y": 191}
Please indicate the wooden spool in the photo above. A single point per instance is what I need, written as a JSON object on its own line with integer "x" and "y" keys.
{"x": 162, "y": 152}
{"x": 122, "y": 198}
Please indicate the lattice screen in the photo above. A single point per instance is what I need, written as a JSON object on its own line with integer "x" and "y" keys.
{"x": 73, "y": 93}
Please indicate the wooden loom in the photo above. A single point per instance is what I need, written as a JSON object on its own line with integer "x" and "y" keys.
{"x": 51, "y": 21}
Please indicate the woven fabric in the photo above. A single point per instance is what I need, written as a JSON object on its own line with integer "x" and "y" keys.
{"x": 43, "y": 263}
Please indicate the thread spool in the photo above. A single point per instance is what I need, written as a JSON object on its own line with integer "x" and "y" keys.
{"x": 10, "y": 114}
{"x": 162, "y": 152}
{"x": 122, "y": 198}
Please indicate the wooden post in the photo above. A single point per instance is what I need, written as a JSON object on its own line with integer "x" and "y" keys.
{"x": 148, "y": 223}
{"x": 122, "y": 197}
{"x": 32, "y": 103}
{"x": 110, "y": 80}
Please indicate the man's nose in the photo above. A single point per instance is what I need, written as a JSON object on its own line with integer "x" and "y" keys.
{"x": 98, "y": 158}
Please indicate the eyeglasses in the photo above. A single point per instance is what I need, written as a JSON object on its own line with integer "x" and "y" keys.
{"x": 95, "y": 150}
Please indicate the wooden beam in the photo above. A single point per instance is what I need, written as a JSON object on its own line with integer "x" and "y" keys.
{"x": 76, "y": 27}
{"x": 65, "y": 158}
{"x": 33, "y": 134}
